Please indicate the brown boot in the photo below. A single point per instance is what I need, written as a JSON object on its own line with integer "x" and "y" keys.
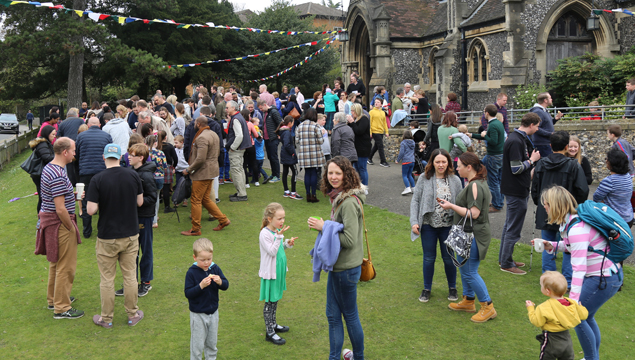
{"x": 463, "y": 305}
{"x": 487, "y": 312}
{"x": 309, "y": 198}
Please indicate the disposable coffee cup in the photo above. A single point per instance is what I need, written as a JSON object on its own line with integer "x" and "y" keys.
{"x": 80, "y": 190}
{"x": 539, "y": 246}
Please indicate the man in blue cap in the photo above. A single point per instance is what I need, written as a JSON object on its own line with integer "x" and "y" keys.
{"x": 116, "y": 193}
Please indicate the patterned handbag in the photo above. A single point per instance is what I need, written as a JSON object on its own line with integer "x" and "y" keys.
{"x": 460, "y": 239}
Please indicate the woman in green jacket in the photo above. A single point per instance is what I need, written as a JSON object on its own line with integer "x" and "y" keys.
{"x": 342, "y": 185}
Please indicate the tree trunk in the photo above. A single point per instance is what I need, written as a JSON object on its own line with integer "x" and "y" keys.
{"x": 76, "y": 65}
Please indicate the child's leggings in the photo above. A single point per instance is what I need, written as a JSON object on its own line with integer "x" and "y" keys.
{"x": 269, "y": 313}
{"x": 285, "y": 173}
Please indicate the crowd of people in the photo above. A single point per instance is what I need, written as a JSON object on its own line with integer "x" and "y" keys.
{"x": 130, "y": 160}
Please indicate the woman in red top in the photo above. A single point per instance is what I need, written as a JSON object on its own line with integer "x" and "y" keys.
{"x": 452, "y": 104}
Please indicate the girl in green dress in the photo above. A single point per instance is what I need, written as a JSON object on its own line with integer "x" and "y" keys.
{"x": 273, "y": 267}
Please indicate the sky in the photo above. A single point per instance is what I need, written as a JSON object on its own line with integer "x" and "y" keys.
{"x": 260, "y": 5}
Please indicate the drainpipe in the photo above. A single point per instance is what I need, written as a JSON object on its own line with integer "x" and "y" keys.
{"x": 464, "y": 69}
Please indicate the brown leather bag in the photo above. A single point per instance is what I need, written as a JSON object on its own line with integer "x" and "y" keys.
{"x": 368, "y": 269}
{"x": 294, "y": 113}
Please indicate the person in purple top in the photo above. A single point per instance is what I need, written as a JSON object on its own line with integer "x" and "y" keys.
{"x": 501, "y": 101}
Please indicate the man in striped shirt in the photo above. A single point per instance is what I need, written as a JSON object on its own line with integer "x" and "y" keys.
{"x": 58, "y": 210}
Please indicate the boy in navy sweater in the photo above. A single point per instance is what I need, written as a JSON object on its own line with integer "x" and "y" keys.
{"x": 202, "y": 281}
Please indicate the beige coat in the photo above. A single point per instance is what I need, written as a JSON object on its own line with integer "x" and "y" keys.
{"x": 204, "y": 156}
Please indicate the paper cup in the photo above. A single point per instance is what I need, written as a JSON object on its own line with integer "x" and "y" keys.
{"x": 80, "y": 189}
{"x": 539, "y": 246}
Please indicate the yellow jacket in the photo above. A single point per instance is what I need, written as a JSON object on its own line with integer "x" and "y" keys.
{"x": 552, "y": 316}
{"x": 378, "y": 122}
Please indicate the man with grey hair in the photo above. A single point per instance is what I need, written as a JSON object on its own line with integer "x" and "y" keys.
{"x": 238, "y": 140}
{"x": 69, "y": 127}
{"x": 158, "y": 124}
{"x": 159, "y": 102}
{"x": 89, "y": 153}
{"x": 408, "y": 94}
{"x": 266, "y": 96}
{"x": 220, "y": 108}
{"x": 343, "y": 138}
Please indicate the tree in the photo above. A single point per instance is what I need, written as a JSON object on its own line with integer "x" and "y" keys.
{"x": 282, "y": 16}
{"x": 331, "y": 4}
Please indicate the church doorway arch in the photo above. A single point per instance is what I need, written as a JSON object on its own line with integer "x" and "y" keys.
{"x": 568, "y": 38}
{"x": 360, "y": 54}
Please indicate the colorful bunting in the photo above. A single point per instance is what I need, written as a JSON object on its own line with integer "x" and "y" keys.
{"x": 255, "y": 55}
{"x": 623, "y": 11}
{"x": 126, "y": 20}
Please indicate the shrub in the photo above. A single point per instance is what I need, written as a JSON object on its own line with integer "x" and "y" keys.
{"x": 525, "y": 96}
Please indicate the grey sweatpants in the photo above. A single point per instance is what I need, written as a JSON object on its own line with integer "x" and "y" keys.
{"x": 514, "y": 221}
{"x": 204, "y": 329}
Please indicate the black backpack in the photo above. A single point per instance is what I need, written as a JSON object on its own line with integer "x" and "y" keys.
{"x": 182, "y": 191}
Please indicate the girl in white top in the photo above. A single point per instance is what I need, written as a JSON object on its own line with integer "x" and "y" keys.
{"x": 273, "y": 268}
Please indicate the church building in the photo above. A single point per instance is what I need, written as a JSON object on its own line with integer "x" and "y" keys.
{"x": 475, "y": 48}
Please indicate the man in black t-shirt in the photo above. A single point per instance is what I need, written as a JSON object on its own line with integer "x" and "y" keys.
{"x": 519, "y": 158}
{"x": 116, "y": 192}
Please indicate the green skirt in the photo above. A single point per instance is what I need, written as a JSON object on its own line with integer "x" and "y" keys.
{"x": 271, "y": 289}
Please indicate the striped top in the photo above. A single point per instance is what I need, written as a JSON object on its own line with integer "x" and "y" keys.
{"x": 55, "y": 183}
{"x": 615, "y": 191}
{"x": 583, "y": 262}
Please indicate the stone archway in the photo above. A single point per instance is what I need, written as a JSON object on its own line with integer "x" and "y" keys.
{"x": 601, "y": 42}
{"x": 359, "y": 53}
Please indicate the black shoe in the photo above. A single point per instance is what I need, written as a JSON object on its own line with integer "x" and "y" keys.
{"x": 233, "y": 195}
{"x": 168, "y": 210}
{"x": 238, "y": 198}
{"x": 144, "y": 288}
{"x": 69, "y": 314}
{"x": 425, "y": 295}
{"x": 275, "y": 339}
{"x": 384, "y": 164}
{"x": 453, "y": 295}
{"x": 267, "y": 179}
{"x": 370, "y": 162}
{"x": 87, "y": 235}
{"x": 281, "y": 329}
{"x": 119, "y": 292}
{"x": 52, "y": 307}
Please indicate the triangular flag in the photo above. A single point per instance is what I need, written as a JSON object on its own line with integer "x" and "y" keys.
{"x": 93, "y": 16}
{"x": 628, "y": 12}
{"x": 121, "y": 19}
{"x": 103, "y": 16}
{"x": 79, "y": 13}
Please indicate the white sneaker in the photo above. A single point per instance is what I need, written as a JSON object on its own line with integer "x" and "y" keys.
{"x": 257, "y": 183}
{"x": 246, "y": 186}
{"x": 406, "y": 191}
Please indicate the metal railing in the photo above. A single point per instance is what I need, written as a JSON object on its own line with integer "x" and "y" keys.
{"x": 599, "y": 113}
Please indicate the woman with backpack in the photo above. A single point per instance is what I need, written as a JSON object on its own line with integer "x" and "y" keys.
{"x": 432, "y": 137}
{"x": 595, "y": 277}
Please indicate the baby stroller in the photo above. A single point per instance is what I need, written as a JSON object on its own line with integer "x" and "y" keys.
{"x": 420, "y": 163}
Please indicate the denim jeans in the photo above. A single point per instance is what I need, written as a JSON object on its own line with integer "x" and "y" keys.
{"x": 362, "y": 169}
{"x": 514, "y": 220}
{"x": 341, "y": 300}
{"x": 429, "y": 237}
{"x": 473, "y": 282}
{"x": 311, "y": 180}
{"x": 146, "y": 265}
{"x": 329, "y": 121}
{"x": 406, "y": 174}
{"x": 493, "y": 164}
{"x": 549, "y": 260}
{"x": 593, "y": 297}
{"x": 159, "y": 183}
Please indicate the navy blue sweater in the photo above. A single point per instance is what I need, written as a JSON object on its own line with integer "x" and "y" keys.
{"x": 203, "y": 301}
{"x": 90, "y": 150}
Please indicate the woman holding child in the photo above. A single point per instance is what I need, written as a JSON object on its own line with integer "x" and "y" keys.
{"x": 595, "y": 278}
{"x": 341, "y": 184}
{"x": 473, "y": 200}
{"x": 433, "y": 222}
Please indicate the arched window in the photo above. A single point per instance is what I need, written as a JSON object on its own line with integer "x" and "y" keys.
{"x": 477, "y": 62}
{"x": 431, "y": 65}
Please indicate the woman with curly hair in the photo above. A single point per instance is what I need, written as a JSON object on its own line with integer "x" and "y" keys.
{"x": 342, "y": 185}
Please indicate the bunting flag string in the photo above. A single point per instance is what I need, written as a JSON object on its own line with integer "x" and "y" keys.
{"x": 129, "y": 19}
{"x": 306, "y": 60}
{"x": 310, "y": 43}
{"x": 623, "y": 11}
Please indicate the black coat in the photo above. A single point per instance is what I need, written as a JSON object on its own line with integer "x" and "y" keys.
{"x": 557, "y": 169}
{"x": 287, "y": 151}
{"x": 43, "y": 149}
{"x": 363, "y": 143}
{"x": 146, "y": 173}
{"x": 272, "y": 120}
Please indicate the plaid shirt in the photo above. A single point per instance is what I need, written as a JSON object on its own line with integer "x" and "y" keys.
{"x": 308, "y": 144}
{"x": 452, "y": 105}
{"x": 501, "y": 110}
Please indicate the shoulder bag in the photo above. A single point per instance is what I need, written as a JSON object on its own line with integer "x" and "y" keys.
{"x": 33, "y": 164}
{"x": 294, "y": 113}
{"x": 368, "y": 269}
{"x": 460, "y": 239}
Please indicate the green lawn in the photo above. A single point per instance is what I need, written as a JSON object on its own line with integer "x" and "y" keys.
{"x": 396, "y": 324}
